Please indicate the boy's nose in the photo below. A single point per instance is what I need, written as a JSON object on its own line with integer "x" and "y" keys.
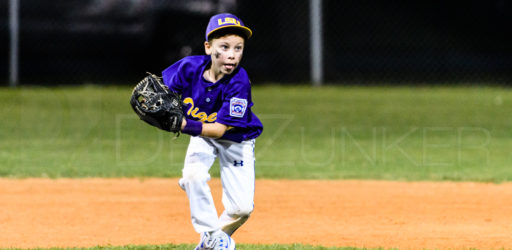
{"x": 231, "y": 54}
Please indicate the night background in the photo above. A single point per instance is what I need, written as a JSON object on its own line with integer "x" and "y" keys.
{"x": 396, "y": 42}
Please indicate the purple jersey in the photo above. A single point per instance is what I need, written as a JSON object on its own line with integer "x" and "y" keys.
{"x": 227, "y": 101}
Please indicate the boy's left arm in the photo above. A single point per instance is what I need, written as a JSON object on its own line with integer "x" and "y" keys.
{"x": 212, "y": 130}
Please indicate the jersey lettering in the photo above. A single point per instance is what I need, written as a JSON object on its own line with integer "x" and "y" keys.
{"x": 194, "y": 112}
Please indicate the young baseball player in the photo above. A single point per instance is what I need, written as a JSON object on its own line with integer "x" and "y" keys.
{"x": 216, "y": 92}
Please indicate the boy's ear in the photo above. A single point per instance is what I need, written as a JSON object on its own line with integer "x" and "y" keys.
{"x": 207, "y": 48}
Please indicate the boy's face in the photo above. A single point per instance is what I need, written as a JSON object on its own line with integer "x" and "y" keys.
{"x": 226, "y": 53}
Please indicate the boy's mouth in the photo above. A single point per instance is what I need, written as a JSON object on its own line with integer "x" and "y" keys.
{"x": 229, "y": 66}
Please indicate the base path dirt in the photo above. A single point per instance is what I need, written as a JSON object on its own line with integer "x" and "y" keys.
{"x": 91, "y": 212}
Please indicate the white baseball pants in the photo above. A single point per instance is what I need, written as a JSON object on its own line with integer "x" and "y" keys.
{"x": 237, "y": 177}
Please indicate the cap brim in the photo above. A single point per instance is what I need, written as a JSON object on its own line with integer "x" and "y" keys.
{"x": 247, "y": 31}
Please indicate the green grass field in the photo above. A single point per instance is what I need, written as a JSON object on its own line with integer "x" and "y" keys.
{"x": 391, "y": 133}
{"x": 388, "y": 133}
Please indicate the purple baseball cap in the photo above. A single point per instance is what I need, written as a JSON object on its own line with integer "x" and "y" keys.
{"x": 226, "y": 20}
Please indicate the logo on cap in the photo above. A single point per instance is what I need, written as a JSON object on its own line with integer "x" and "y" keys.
{"x": 228, "y": 20}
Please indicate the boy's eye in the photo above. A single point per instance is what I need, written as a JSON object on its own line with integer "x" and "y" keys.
{"x": 224, "y": 46}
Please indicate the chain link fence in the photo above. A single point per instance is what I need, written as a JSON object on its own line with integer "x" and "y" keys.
{"x": 364, "y": 41}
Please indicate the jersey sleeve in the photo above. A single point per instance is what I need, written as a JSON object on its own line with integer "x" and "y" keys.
{"x": 236, "y": 105}
{"x": 173, "y": 76}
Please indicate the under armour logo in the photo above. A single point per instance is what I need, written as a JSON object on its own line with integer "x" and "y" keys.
{"x": 241, "y": 163}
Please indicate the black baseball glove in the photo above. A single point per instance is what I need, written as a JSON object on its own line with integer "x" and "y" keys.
{"x": 155, "y": 104}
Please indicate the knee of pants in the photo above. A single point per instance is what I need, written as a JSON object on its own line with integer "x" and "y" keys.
{"x": 194, "y": 175}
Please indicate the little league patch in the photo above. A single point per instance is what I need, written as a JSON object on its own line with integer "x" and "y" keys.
{"x": 237, "y": 107}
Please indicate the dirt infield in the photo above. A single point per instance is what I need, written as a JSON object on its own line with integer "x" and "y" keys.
{"x": 90, "y": 212}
